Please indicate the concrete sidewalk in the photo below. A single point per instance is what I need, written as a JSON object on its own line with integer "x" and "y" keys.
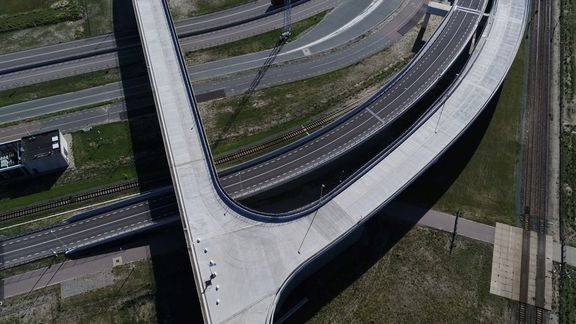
{"x": 72, "y": 269}
{"x": 58, "y": 273}
{"x": 480, "y": 232}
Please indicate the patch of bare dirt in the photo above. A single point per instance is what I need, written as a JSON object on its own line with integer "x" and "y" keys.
{"x": 41, "y": 36}
{"x": 182, "y": 8}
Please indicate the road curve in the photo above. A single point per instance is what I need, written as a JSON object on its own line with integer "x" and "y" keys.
{"x": 385, "y": 107}
{"x": 108, "y": 42}
{"x": 235, "y": 84}
{"x": 257, "y": 260}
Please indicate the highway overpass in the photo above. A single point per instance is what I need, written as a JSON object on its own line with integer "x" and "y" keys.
{"x": 377, "y": 114}
{"x": 380, "y": 112}
{"x": 243, "y": 260}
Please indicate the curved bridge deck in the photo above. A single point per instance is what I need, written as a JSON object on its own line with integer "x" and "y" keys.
{"x": 380, "y": 111}
{"x": 250, "y": 262}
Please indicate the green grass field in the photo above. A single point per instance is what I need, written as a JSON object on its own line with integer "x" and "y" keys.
{"x": 17, "y": 17}
{"x": 130, "y": 299}
{"x": 59, "y": 86}
{"x": 104, "y": 155}
{"x": 419, "y": 281}
{"x": 568, "y": 51}
{"x": 568, "y": 296}
{"x": 100, "y": 17}
{"x": 568, "y": 176}
{"x": 485, "y": 190}
{"x": 10, "y": 7}
{"x": 568, "y": 139}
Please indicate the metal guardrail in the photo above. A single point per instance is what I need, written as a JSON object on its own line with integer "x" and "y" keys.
{"x": 116, "y": 48}
{"x": 227, "y": 200}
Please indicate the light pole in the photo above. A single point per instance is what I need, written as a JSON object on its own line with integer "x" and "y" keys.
{"x": 313, "y": 217}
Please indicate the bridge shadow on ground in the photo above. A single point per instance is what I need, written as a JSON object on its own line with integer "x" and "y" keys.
{"x": 175, "y": 298}
{"x": 146, "y": 137}
{"x": 384, "y": 230}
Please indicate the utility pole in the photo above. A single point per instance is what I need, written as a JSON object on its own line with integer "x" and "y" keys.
{"x": 455, "y": 231}
{"x": 287, "y": 22}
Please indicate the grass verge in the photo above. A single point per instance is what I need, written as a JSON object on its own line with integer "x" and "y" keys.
{"x": 485, "y": 191}
{"x": 419, "y": 281}
{"x": 210, "y": 6}
{"x": 45, "y": 14}
{"x": 11, "y": 7}
{"x": 185, "y": 9}
{"x": 568, "y": 50}
{"x": 130, "y": 299}
{"x": 252, "y": 44}
{"x": 568, "y": 297}
{"x": 104, "y": 155}
{"x": 99, "y": 17}
{"x": 568, "y": 135}
{"x": 568, "y": 183}
{"x": 59, "y": 86}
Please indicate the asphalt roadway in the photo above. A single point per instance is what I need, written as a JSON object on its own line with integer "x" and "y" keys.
{"x": 65, "y": 237}
{"x": 71, "y": 269}
{"x": 75, "y": 121}
{"x": 99, "y": 53}
{"x": 86, "y": 47}
{"x": 423, "y": 74}
{"x": 230, "y": 82}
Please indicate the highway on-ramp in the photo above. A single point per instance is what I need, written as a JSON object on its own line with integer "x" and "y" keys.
{"x": 386, "y": 106}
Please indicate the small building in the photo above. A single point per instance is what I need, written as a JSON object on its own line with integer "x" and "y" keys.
{"x": 35, "y": 154}
{"x": 10, "y": 160}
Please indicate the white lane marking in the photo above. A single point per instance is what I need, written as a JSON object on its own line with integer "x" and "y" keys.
{"x": 264, "y": 58}
{"x": 330, "y": 153}
{"x": 85, "y": 230}
{"x": 370, "y": 9}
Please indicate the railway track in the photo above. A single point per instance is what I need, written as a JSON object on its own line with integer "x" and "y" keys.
{"x": 253, "y": 150}
{"x": 529, "y": 314}
{"x": 535, "y": 161}
{"x": 284, "y": 138}
{"x": 77, "y": 198}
